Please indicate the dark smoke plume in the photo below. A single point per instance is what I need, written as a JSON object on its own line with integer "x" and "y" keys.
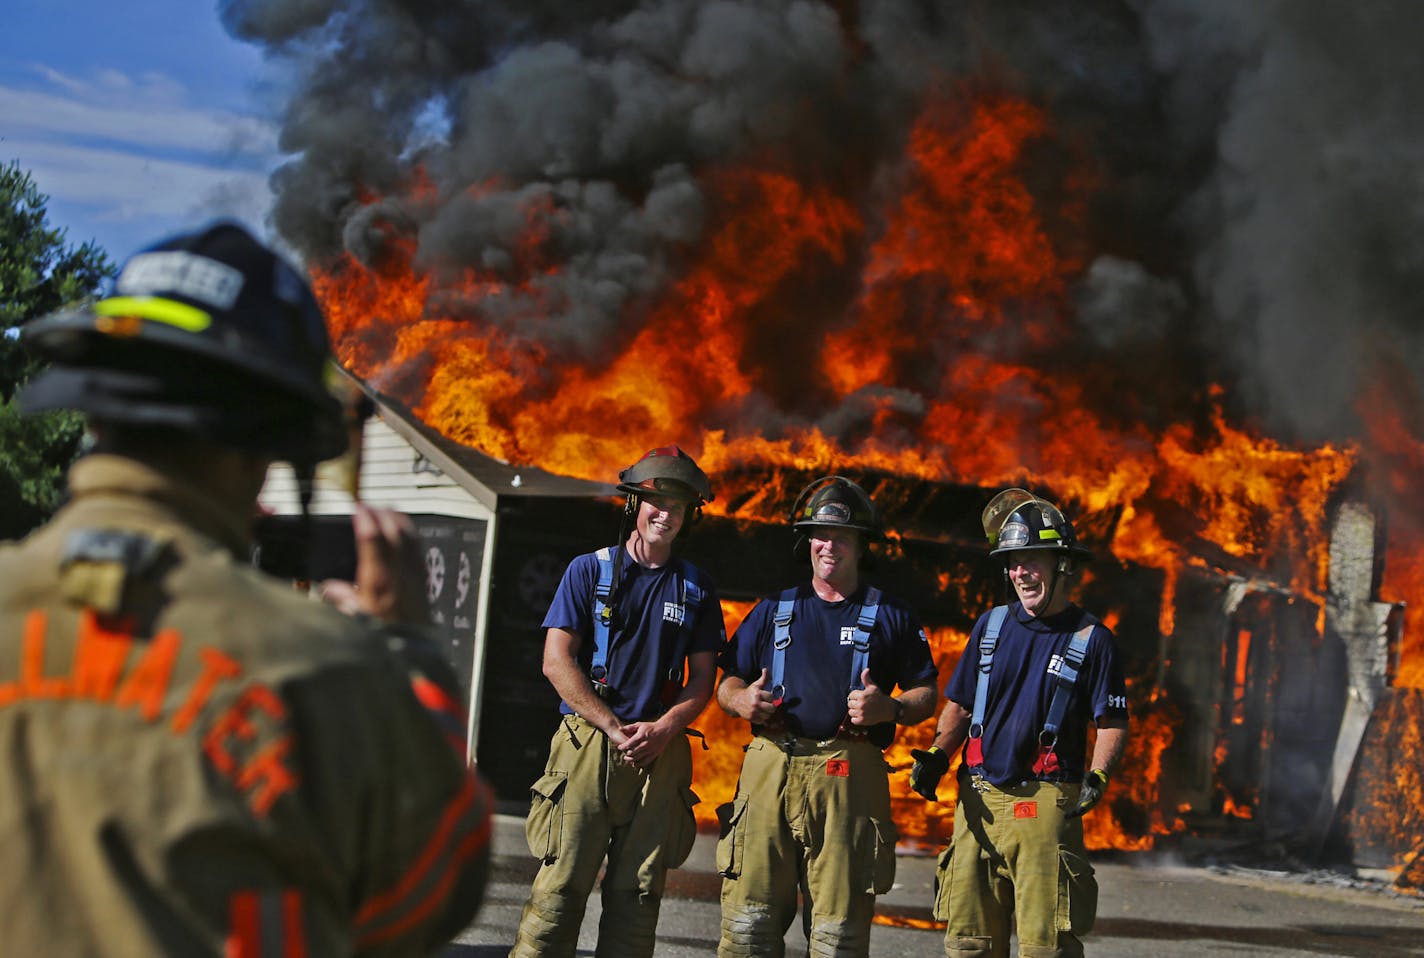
{"x": 1256, "y": 223}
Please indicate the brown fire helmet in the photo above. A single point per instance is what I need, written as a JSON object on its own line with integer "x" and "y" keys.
{"x": 667, "y": 471}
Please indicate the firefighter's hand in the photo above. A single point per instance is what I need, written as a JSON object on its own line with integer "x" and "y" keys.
{"x": 755, "y": 703}
{"x": 1095, "y": 783}
{"x": 862, "y": 702}
{"x": 644, "y": 743}
{"x": 930, "y": 766}
{"x": 388, "y": 582}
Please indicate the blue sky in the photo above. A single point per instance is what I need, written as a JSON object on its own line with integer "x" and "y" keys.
{"x": 136, "y": 118}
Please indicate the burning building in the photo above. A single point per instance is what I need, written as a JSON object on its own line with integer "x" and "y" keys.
{"x": 1153, "y": 257}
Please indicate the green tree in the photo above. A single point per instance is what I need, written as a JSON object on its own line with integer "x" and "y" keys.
{"x": 39, "y": 272}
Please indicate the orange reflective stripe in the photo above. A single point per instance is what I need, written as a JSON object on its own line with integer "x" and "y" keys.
{"x": 446, "y": 710}
{"x": 426, "y": 884}
{"x": 294, "y": 944}
{"x": 244, "y": 939}
{"x": 265, "y": 925}
{"x": 433, "y": 697}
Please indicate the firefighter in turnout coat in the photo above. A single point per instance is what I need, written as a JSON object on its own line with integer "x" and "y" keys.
{"x": 626, "y": 625}
{"x": 813, "y": 670}
{"x": 1033, "y": 675}
{"x": 199, "y": 760}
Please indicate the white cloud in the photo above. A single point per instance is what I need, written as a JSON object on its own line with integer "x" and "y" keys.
{"x": 149, "y": 117}
{"x": 127, "y": 156}
{"x": 120, "y": 184}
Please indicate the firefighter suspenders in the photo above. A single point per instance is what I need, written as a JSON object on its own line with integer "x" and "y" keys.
{"x": 692, "y": 595}
{"x": 1067, "y": 677}
{"x": 781, "y": 638}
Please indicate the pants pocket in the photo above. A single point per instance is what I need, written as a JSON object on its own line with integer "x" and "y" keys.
{"x": 682, "y": 829}
{"x": 875, "y": 854}
{"x": 940, "y": 911}
{"x": 544, "y": 828}
{"x": 731, "y": 840}
{"x": 1077, "y": 893}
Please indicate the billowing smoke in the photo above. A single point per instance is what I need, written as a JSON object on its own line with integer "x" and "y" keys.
{"x": 1255, "y": 220}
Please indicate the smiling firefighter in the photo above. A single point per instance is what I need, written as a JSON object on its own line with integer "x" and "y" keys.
{"x": 200, "y": 761}
{"x": 632, "y": 637}
{"x": 814, "y": 670}
{"x": 1033, "y": 675}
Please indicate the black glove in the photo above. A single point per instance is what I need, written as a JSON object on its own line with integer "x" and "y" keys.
{"x": 930, "y": 766}
{"x": 1094, "y": 784}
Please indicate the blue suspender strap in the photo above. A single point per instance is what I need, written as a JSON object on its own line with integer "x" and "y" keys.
{"x": 974, "y": 749}
{"x": 864, "y": 624}
{"x": 987, "y": 641}
{"x": 692, "y": 594}
{"x": 1047, "y": 764}
{"x": 602, "y": 614}
{"x": 1067, "y": 678}
{"x": 782, "y": 634}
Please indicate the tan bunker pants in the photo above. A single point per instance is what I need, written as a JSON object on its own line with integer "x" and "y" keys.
{"x": 587, "y": 807}
{"x": 1015, "y": 859}
{"x": 810, "y": 817}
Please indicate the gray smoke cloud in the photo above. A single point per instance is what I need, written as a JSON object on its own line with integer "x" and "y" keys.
{"x": 1256, "y": 220}
{"x": 1307, "y": 249}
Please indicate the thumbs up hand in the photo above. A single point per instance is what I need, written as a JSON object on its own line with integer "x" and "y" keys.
{"x": 869, "y": 705}
{"x": 756, "y": 702}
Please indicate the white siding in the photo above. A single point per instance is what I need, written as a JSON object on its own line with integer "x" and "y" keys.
{"x": 393, "y": 474}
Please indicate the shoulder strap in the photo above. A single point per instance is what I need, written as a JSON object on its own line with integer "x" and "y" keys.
{"x": 1068, "y": 676}
{"x": 974, "y": 749}
{"x": 864, "y": 624}
{"x": 602, "y": 613}
{"x": 785, "y": 607}
{"x": 987, "y": 642}
{"x": 692, "y": 592}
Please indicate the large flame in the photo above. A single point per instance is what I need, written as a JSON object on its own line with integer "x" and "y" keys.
{"x": 950, "y": 297}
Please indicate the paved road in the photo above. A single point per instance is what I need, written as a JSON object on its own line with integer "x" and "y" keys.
{"x": 1147, "y": 907}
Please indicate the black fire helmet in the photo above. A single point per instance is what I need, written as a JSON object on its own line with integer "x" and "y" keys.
{"x": 836, "y": 501}
{"x": 208, "y": 333}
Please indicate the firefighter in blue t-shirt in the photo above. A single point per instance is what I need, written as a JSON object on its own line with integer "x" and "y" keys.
{"x": 1032, "y": 676}
{"x": 812, "y": 670}
{"x": 617, "y": 785}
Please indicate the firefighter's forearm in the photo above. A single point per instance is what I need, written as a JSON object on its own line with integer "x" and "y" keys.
{"x": 952, "y": 728}
{"x": 1110, "y": 745}
{"x": 562, "y": 669}
{"x": 701, "y": 673}
{"x": 917, "y": 704}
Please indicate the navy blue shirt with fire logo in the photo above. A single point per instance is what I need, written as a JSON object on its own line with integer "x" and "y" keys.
{"x": 818, "y": 661}
{"x": 1027, "y": 659}
{"x": 650, "y": 635}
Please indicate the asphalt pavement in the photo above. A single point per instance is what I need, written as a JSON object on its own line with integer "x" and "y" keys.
{"x": 1149, "y": 905}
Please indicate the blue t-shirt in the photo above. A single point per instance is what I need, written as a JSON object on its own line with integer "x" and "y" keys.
{"x": 817, "y": 675}
{"x": 1021, "y": 682}
{"x": 651, "y": 634}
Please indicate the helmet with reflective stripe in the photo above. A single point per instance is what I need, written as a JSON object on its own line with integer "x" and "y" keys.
{"x": 837, "y": 502}
{"x": 667, "y": 471}
{"x": 1016, "y": 519}
{"x": 208, "y": 333}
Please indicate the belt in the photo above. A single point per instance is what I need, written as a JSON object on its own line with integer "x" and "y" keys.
{"x": 798, "y": 745}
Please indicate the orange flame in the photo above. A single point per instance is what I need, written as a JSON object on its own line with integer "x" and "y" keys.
{"x": 941, "y": 270}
